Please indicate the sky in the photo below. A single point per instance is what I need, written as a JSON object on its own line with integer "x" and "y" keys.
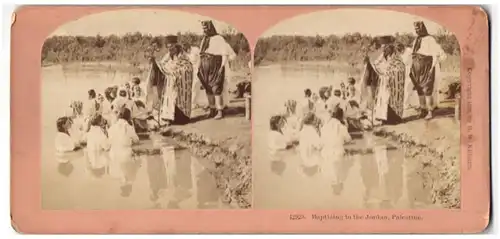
{"x": 339, "y": 22}
{"x": 120, "y": 22}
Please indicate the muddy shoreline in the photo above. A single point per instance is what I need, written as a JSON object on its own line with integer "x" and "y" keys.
{"x": 440, "y": 165}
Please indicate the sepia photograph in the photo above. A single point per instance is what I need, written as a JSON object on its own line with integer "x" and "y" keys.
{"x": 356, "y": 109}
{"x": 146, "y": 109}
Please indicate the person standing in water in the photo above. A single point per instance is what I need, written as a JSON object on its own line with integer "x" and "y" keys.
{"x": 214, "y": 54}
{"x": 426, "y": 55}
{"x": 121, "y": 138}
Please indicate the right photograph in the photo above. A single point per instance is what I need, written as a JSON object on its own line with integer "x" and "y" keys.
{"x": 356, "y": 109}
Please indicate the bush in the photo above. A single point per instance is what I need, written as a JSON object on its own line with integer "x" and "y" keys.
{"x": 348, "y": 48}
{"x": 133, "y": 48}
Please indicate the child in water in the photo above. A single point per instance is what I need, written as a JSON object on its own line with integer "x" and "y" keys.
{"x": 97, "y": 144}
{"x": 333, "y": 137}
{"x": 309, "y": 144}
{"x": 306, "y": 105}
{"x": 276, "y": 139}
{"x": 137, "y": 93}
{"x": 64, "y": 143}
{"x": 121, "y": 137}
{"x": 351, "y": 90}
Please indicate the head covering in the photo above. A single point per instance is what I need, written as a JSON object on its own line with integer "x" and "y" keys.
{"x": 208, "y": 32}
{"x": 420, "y": 28}
{"x": 421, "y": 31}
{"x": 389, "y": 50}
{"x": 171, "y": 39}
{"x": 208, "y": 28}
{"x": 175, "y": 50}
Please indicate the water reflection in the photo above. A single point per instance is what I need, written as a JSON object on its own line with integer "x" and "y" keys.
{"x": 173, "y": 179}
{"x": 65, "y": 168}
{"x": 278, "y": 167}
{"x": 157, "y": 176}
{"x": 310, "y": 171}
{"x": 178, "y": 180}
{"x": 374, "y": 174}
{"x": 383, "y": 177}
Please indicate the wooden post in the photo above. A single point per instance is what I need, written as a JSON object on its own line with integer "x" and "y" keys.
{"x": 248, "y": 107}
{"x": 458, "y": 108}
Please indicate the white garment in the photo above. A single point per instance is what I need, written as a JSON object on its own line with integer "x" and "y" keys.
{"x": 382, "y": 99}
{"x": 322, "y": 111}
{"x": 219, "y": 46}
{"x": 410, "y": 95}
{"x": 276, "y": 141}
{"x": 335, "y": 101}
{"x": 90, "y": 108}
{"x": 194, "y": 58}
{"x": 107, "y": 112}
{"x": 430, "y": 47}
{"x": 291, "y": 128}
{"x": 333, "y": 137}
{"x": 170, "y": 94}
{"x": 64, "y": 145}
{"x": 121, "y": 138}
{"x": 97, "y": 145}
{"x": 78, "y": 128}
{"x": 380, "y": 152}
{"x": 309, "y": 146}
{"x": 169, "y": 158}
{"x": 304, "y": 106}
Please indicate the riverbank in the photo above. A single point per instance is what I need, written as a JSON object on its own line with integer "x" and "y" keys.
{"x": 435, "y": 144}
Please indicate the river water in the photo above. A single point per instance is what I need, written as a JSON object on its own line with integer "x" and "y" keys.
{"x": 375, "y": 173}
{"x": 173, "y": 179}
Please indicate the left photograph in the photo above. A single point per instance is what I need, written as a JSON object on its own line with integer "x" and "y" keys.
{"x": 146, "y": 109}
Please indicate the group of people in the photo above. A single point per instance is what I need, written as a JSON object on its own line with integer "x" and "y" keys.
{"x": 321, "y": 124}
{"x": 108, "y": 124}
{"x": 175, "y": 80}
{"x": 403, "y": 77}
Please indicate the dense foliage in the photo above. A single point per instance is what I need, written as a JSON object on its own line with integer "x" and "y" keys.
{"x": 133, "y": 48}
{"x": 349, "y": 47}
